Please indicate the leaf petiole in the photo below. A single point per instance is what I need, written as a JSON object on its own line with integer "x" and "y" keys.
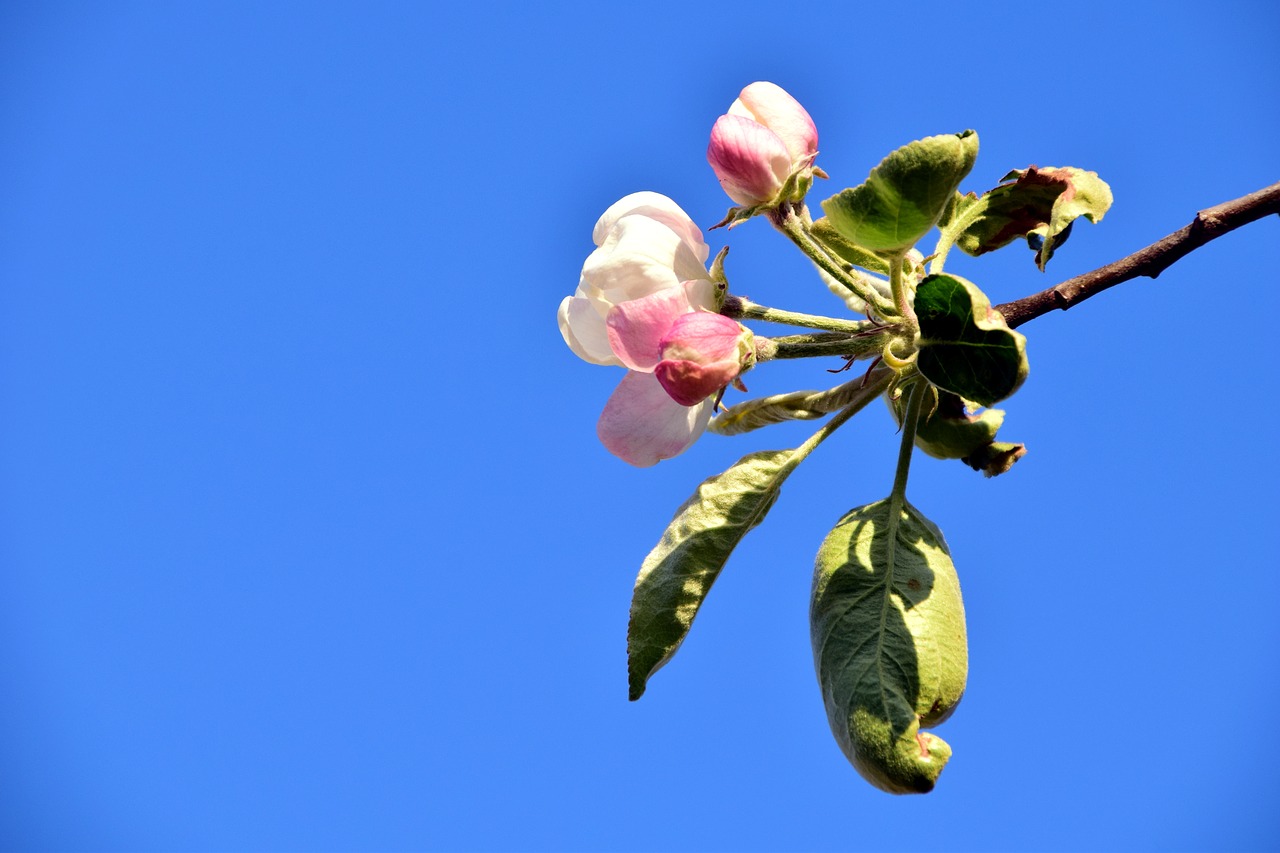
{"x": 909, "y": 423}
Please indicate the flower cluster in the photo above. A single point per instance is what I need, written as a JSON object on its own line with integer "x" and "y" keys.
{"x": 938, "y": 353}
{"x": 646, "y": 302}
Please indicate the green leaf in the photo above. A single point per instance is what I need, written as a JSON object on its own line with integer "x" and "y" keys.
{"x": 1039, "y": 204}
{"x": 677, "y": 575}
{"x": 965, "y": 346}
{"x": 889, "y": 644}
{"x": 846, "y": 250}
{"x": 905, "y": 195}
{"x": 947, "y": 430}
{"x": 956, "y": 208}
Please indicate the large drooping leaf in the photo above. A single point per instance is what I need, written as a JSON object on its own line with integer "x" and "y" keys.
{"x": 1039, "y": 204}
{"x": 889, "y": 644}
{"x": 905, "y": 195}
{"x": 679, "y": 572}
{"x": 965, "y": 346}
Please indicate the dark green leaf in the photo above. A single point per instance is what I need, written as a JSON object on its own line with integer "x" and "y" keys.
{"x": 965, "y": 346}
{"x": 905, "y": 195}
{"x": 1039, "y": 204}
{"x": 679, "y": 572}
{"x": 888, "y": 631}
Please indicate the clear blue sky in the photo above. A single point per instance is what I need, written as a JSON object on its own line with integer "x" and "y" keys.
{"x": 306, "y": 539}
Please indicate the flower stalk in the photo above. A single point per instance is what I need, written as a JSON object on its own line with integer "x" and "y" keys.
{"x": 795, "y": 226}
{"x": 740, "y": 308}
{"x": 828, "y": 344}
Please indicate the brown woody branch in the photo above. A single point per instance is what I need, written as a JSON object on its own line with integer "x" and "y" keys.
{"x": 1209, "y": 224}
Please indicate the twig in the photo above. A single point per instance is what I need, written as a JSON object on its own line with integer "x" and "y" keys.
{"x": 1209, "y": 224}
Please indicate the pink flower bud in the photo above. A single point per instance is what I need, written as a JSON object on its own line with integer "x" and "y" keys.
{"x": 765, "y": 138}
{"x": 702, "y": 353}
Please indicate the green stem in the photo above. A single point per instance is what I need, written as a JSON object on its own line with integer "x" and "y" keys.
{"x": 789, "y": 222}
{"x": 952, "y": 232}
{"x": 817, "y": 346}
{"x": 811, "y": 338}
{"x": 899, "y": 493}
{"x": 743, "y": 309}
{"x": 899, "y": 288}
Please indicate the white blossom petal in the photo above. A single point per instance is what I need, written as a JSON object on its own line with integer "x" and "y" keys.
{"x": 637, "y": 258}
{"x": 658, "y": 207}
{"x": 701, "y": 293}
{"x": 583, "y": 329}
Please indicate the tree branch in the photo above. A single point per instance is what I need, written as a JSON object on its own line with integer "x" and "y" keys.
{"x": 1209, "y": 224}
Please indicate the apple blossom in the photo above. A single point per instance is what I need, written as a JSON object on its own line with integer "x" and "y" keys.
{"x": 765, "y": 138}
{"x": 647, "y": 271}
{"x": 646, "y": 244}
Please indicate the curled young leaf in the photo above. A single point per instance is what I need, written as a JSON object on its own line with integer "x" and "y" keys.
{"x": 965, "y": 346}
{"x": 1038, "y": 204}
{"x": 905, "y": 195}
{"x": 947, "y": 430}
{"x": 995, "y": 458}
{"x": 795, "y": 406}
{"x": 889, "y": 643}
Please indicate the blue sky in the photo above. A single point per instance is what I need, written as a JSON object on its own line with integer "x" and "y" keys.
{"x": 306, "y": 539}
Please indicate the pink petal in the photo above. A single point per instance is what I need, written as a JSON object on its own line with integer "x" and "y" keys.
{"x": 701, "y": 336}
{"x": 636, "y": 328}
{"x": 642, "y": 425}
{"x": 689, "y": 383}
{"x": 769, "y": 104}
{"x": 750, "y": 160}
